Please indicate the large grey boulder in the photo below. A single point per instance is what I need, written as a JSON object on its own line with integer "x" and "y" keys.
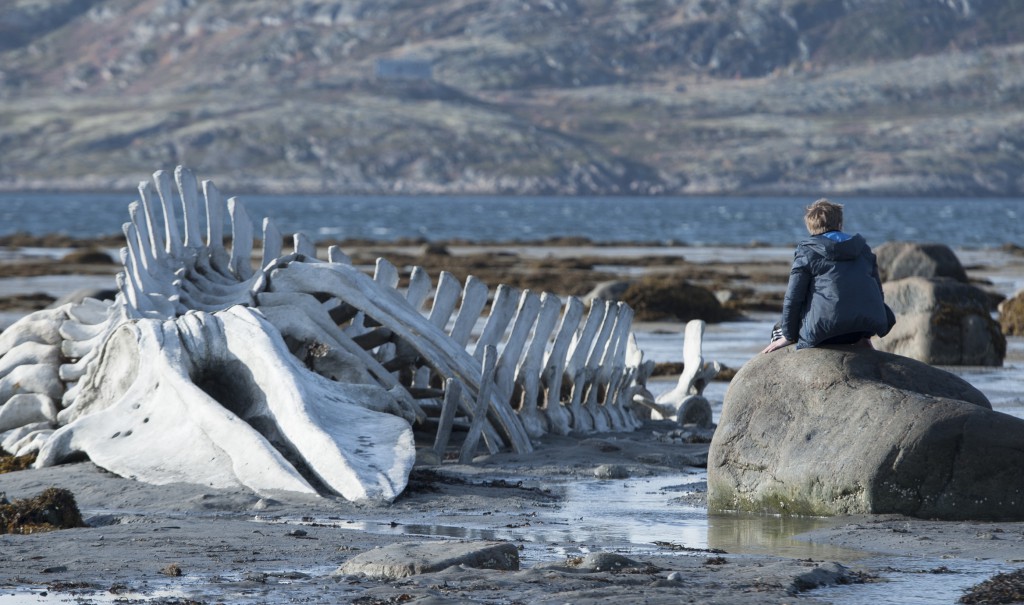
{"x": 899, "y": 260}
{"x": 848, "y": 430}
{"x": 942, "y": 322}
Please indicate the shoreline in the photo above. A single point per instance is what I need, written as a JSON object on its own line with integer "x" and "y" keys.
{"x": 236, "y": 546}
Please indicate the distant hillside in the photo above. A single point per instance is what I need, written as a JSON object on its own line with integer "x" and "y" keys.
{"x": 902, "y": 97}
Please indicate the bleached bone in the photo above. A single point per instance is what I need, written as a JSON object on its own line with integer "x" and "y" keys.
{"x": 686, "y": 403}
{"x": 529, "y": 373}
{"x": 560, "y": 420}
{"x": 225, "y": 388}
{"x": 299, "y": 374}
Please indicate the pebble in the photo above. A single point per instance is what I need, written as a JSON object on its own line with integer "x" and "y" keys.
{"x": 611, "y": 471}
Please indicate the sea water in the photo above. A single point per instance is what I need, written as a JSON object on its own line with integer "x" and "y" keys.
{"x": 726, "y": 221}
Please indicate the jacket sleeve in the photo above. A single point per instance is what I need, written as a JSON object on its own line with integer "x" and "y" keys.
{"x": 797, "y": 294}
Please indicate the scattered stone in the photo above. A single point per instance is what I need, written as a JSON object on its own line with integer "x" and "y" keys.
{"x": 264, "y": 504}
{"x": 826, "y": 574}
{"x": 173, "y": 570}
{"x": 611, "y": 471}
{"x": 413, "y": 558}
{"x": 607, "y": 561}
{"x": 695, "y": 410}
{"x": 690, "y": 433}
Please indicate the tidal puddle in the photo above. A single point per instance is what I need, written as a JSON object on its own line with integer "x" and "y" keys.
{"x": 773, "y": 535}
{"x": 628, "y": 516}
{"x": 646, "y": 516}
{"x": 633, "y": 516}
{"x": 913, "y": 582}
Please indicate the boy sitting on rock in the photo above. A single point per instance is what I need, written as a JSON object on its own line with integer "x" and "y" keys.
{"x": 834, "y": 294}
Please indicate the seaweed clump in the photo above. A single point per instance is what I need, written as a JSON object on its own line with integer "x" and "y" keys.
{"x": 53, "y": 509}
{"x": 10, "y": 464}
{"x": 670, "y": 297}
{"x": 1001, "y": 588}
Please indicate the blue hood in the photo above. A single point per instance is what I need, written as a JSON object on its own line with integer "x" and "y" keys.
{"x": 836, "y": 245}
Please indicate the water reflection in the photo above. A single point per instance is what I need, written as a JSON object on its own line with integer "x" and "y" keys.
{"x": 774, "y": 535}
{"x": 635, "y": 516}
{"x": 624, "y": 515}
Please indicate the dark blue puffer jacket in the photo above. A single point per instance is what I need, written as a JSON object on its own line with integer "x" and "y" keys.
{"x": 833, "y": 290}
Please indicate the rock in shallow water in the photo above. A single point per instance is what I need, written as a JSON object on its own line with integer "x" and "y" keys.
{"x": 943, "y": 322}
{"x": 833, "y": 431}
{"x": 412, "y": 558}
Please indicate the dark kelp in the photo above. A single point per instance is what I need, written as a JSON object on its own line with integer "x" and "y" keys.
{"x": 53, "y": 509}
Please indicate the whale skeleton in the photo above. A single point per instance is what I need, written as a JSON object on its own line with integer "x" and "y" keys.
{"x": 300, "y": 374}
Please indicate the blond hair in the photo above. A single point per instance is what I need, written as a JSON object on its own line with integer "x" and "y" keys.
{"x": 823, "y": 216}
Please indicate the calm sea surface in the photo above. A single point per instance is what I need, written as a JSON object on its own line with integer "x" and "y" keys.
{"x": 976, "y": 224}
{"x": 731, "y": 221}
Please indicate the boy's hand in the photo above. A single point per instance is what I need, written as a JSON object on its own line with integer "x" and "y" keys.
{"x": 776, "y": 344}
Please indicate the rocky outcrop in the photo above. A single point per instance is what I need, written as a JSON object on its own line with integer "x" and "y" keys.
{"x": 843, "y": 430}
{"x": 523, "y": 97}
{"x": 942, "y": 322}
{"x": 899, "y": 260}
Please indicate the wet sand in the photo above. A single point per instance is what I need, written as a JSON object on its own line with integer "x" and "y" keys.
{"x": 556, "y": 505}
